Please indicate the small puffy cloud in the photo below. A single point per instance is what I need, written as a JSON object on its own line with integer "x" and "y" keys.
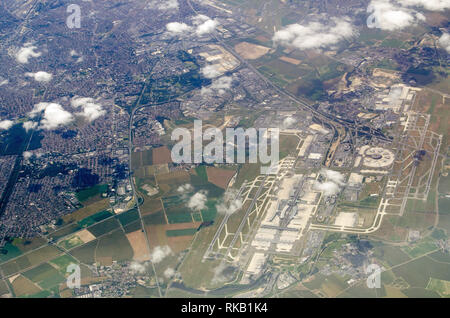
{"x": 201, "y": 25}
{"x": 315, "y": 35}
{"x": 138, "y": 268}
{"x": 29, "y": 125}
{"x": 444, "y": 41}
{"x": 90, "y": 110}
{"x": 211, "y": 71}
{"x": 389, "y": 16}
{"x": 198, "y": 201}
{"x": 169, "y": 272}
{"x": 74, "y": 54}
{"x": 206, "y": 26}
{"x": 159, "y": 253}
{"x": 334, "y": 176}
{"x": 288, "y": 122}
{"x": 177, "y": 28}
{"x": 164, "y": 5}
{"x": 185, "y": 188}
{"x": 432, "y": 5}
{"x": 27, "y": 155}
{"x": 41, "y": 76}
{"x": 220, "y": 274}
{"x": 6, "y": 124}
{"x": 24, "y": 54}
{"x": 335, "y": 180}
{"x": 328, "y": 188}
{"x": 230, "y": 203}
{"x": 4, "y": 82}
{"x": 53, "y": 115}
{"x": 218, "y": 86}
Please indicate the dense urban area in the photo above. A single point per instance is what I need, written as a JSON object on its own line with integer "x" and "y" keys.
{"x": 92, "y": 93}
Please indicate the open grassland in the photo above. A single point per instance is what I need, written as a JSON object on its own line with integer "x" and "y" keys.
{"x": 92, "y": 192}
{"x": 87, "y": 211}
{"x": 62, "y": 262}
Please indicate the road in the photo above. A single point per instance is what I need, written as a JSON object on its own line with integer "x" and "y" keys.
{"x": 133, "y": 186}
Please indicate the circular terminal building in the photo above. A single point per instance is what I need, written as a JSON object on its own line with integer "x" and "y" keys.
{"x": 377, "y": 157}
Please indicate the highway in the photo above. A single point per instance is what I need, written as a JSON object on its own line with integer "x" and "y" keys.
{"x": 133, "y": 186}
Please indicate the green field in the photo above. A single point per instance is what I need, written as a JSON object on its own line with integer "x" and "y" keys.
{"x": 62, "y": 262}
{"x": 31, "y": 259}
{"x": 128, "y": 217}
{"x": 69, "y": 229}
{"x": 183, "y": 232}
{"x": 155, "y": 218}
{"x": 86, "y": 252}
{"x": 45, "y": 275}
{"x": 86, "y": 194}
{"x": 9, "y": 251}
{"x": 97, "y": 217}
{"x": 133, "y": 227}
{"x": 114, "y": 245}
{"x": 104, "y": 227}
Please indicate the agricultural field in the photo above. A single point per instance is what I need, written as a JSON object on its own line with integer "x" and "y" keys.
{"x": 29, "y": 260}
{"x": 87, "y": 211}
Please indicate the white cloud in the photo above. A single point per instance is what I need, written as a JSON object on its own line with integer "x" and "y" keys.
{"x": 389, "y": 16}
{"x": 229, "y": 203}
{"x": 164, "y": 5}
{"x": 185, "y": 188}
{"x": 90, "y": 110}
{"x": 177, "y": 28}
{"x": 41, "y": 76}
{"x": 211, "y": 71}
{"x": 335, "y": 180}
{"x": 328, "y": 188}
{"x": 219, "y": 86}
{"x": 159, "y": 253}
{"x": 201, "y": 25}
{"x": 393, "y": 15}
{"x": 6, "y": 124}
{"x": 74, "y": 54}
{"x": 206, "y": 27}
{"x": 27, "y": 155}
{"x": 334, "y": 176}
{"x": 138, "y": 268}
{"x": 198, "y": 201}
{"x": 26, "y": 52}
{"x": 315, "y": 35}
{"x": 432, "y": 5}
{"x": 53, "y": 115}
{"x": 219, "y": 274}
{"x": 444, "y": 41}
{"x": 4, "y": 82}
{"x": 169, "y": 272}
{"x": 288, "y": 122}
{"x": 29, "y": 125}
